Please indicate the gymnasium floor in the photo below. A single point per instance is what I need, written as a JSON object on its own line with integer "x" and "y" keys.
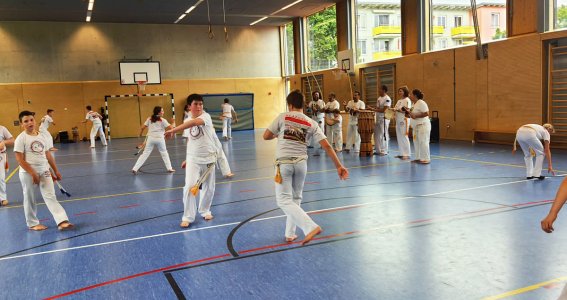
{"x": 464, "y": 227}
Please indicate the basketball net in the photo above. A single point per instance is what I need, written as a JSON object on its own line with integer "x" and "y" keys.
{"x": 141, "y": 87}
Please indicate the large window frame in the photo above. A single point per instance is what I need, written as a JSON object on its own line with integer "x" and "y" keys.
{"x": 310, "y": 43}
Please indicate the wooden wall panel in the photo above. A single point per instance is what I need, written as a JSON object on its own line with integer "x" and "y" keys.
{"x": 409, "y": 71}
{"x": 523, "y": 18}
{"x": 10, "y": 97}
{"x": 481, "y": 93}
{"x": 410, "y": 27}
{"x": 514, "y": 83}
{"x": 269, "y": 98}
{"x": 465, "y": 93}
{"x": 438, "y": 88}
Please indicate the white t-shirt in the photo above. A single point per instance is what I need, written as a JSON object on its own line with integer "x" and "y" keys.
{"x": 382, "y": 102}
{"x": 419, "y": 107}
{"x": 400, "y": 116}
{"x": 4, "y": 135}
{"x": 201, "y": 148}
{"x": 540, "y": 131}
{"x": 319, "y": 106}
{"x": 33, "y": 147}
{"x": 333, "y": 105}
{"x": 293, "y": 130}
{"x": 47, "y": 120}
{"x": 186, "y": 115}
{"x": 157, "y": 129}
{"x": 93, "y": 117}
{"x": 353, "y": 119}
{"x": 227, "y": 110}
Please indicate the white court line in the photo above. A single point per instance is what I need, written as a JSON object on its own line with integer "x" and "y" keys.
{"x": 256, "y": 220}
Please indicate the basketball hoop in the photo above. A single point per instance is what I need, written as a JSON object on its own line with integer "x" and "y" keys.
{"x": 141, "y": 87}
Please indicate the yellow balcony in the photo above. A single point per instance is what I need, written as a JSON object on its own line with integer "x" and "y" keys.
{"x": 386, "y": 55}
{"x": 462, "y": 32}
{"x": 438, "y": 29}
{"x": 387, "y": 30}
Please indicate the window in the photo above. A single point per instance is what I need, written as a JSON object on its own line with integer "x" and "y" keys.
{"x": 458, "y": 21}
{"x": 322, "y": 39}
{"x": 442, "y": 21}
{"x": 289, "y": 53}
{"x": 495, "y": 19}
{"x": 383, "y": 33}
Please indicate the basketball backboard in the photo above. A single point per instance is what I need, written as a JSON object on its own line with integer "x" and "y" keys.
{"x": 131, "y": 72}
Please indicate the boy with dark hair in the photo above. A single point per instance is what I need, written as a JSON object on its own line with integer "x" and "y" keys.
{"x": 35, "y": 159}
{"x": 293, "y": 129}
{"x": 96, "y": 118}
{"x": 201, "y": 156}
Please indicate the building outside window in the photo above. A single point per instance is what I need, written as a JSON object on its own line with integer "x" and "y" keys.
{"x": 495, "y": 17}
{"x": 322, "y": 39}
{"x": 458, "y": 21}
{"x": 442, "y": 21}
{"x": 383, "y": 41}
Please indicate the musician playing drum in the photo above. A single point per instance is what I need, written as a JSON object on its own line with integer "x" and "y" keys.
{"x": 353, "y": 107}
{"x": 330, "y": 108}
{"x": 316, "y": 106}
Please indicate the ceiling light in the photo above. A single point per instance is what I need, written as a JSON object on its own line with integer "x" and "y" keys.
{"x": 91, "y": 4}
{"x": 285, "y": 7}
{"x": 187, "y": 11}
{"x": 257, "y": 21}
{"x": 90, "y": 10}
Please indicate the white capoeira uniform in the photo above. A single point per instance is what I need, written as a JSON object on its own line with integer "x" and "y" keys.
{"x": 201, "y": 153}
{"x": 186, "y": 131}
{"x": 402, "y": 127}
{"x": 155, "y": 138}
{"x": 43, "y": 129}
{"x": 529, "y": 136}
{"x": 421, "y": 132}
{"x": 34, "y": 147}
{"x": 337, "y": 132}
{"x": 319, "y": 117}
{"x": 381, "y": 134}
{"x": 353, "y": 137}
{"x": 222, "y": 162}
{"x": 97, "y": 127}
{"x": 333, "y": 105}
{"x": 227, "y": 110}
{"x": 293, "y": 130}
{"x": 4, "y": 135}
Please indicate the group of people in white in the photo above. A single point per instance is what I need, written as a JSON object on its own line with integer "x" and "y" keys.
{"x": 410, "y": 111}
{"x": 293, "y": 130}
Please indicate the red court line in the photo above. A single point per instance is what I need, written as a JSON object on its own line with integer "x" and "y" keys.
{"x": 281, "y": 245}
{"x": 130, "y": 206}
{"x": 85, "y": 213}
{"x": 173, "y": 200}
{"x": 43, "y": 220}
{"x": 246, "y": 191}
{"x": 312, "y": 182}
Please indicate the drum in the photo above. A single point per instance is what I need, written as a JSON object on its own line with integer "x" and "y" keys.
{"x": 366, "y": 129}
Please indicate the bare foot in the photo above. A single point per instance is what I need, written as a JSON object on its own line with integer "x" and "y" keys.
{"x": 311, "y": 235}
{"x": 171, "y": 170}
{"x": 424, "y": 162}
{"x": 65, "y": 225}
{"x": 184, "y": 224}
{"x": 38, "y": 227}
{"x": 134, "y": 172}
{"x": 208, "y": 217}
{"x": 183, "y": 164}
{"x": 291, "y": 238}
{"x": 53, "y": 149}
{"x": 3, "y": 202}
{"x": 229, "y": 175}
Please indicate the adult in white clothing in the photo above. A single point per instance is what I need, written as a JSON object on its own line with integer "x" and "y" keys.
{"x": 402, "y": 123}
{"x": 6, "y": 139}
{"x": 317, "y": 108}
{"x": 293, "y": 129}
{"x": 381, "y": 134}
{"x": 96, "y": 118}
{"x": 529, "y": 136}
{"x": 45, "y": 122}
{"x": 157, "y": 126}
{"x": 353, "y": 107}
{"x": 421, "y": 125}
{"x": 333, "y": 106}
{"x": 227, "y": 112}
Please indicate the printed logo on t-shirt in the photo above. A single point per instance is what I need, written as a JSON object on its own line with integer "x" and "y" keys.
{"x": 296, "y": 129}
{"x": 37, "y": 147}
{"x": 196, "y": 132}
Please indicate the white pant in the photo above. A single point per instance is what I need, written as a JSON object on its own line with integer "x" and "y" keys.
{"x": 381, "y": 136}
{"x": 421, "y": 135}
{"x": 3, "y": 176}
{"x": 48, "y": 194}
{"x": 321, "y": 122}
{"x": 563, "y": 295}
{"x": 48, "y": 138}
{"x": 289, "y": 195}
{"x": 527, "y": 139}
{"x": 336, "y": 136}
{"x": 222, "y": 163}
{"x": 353, "y": 137}
{"x": 192, "y": 173}
{"x": 97, "y": 128}
{"x": 226, "y": 127}
{"x": 150, "y": 143}
{"x": 402, "y": 128}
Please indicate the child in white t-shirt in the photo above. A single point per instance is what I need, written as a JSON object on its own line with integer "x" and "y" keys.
{"x": 35, "y": 159}
{"x": 293, "y": 129}
{"x": 6, "y": 139}
{"x": 96, "y": 118}
{"x": 155, "y": 138}
{"x": 227, "y": 111}
{"x": 45, "y": 122}
{"x": 200, "y": 160}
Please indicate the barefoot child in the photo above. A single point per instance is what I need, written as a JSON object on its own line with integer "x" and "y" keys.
{"x": 293, "y": 129}
{"x": 157, "y": 126}
{"x": 200, "y": 159}
{"x": 6, "y": 139}
{"x": 35, "y": 159}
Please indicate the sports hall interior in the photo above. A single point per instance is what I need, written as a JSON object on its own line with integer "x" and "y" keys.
{"x": 478, "y": 238}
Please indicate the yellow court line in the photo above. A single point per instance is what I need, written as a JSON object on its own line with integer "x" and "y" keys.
{"x": 526, "y": 289}
{"x": 11, "y": 174}
{"x": 487, "y": 162}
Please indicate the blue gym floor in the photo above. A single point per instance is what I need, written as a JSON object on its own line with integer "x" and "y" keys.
{"x": 464, "y": 227}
